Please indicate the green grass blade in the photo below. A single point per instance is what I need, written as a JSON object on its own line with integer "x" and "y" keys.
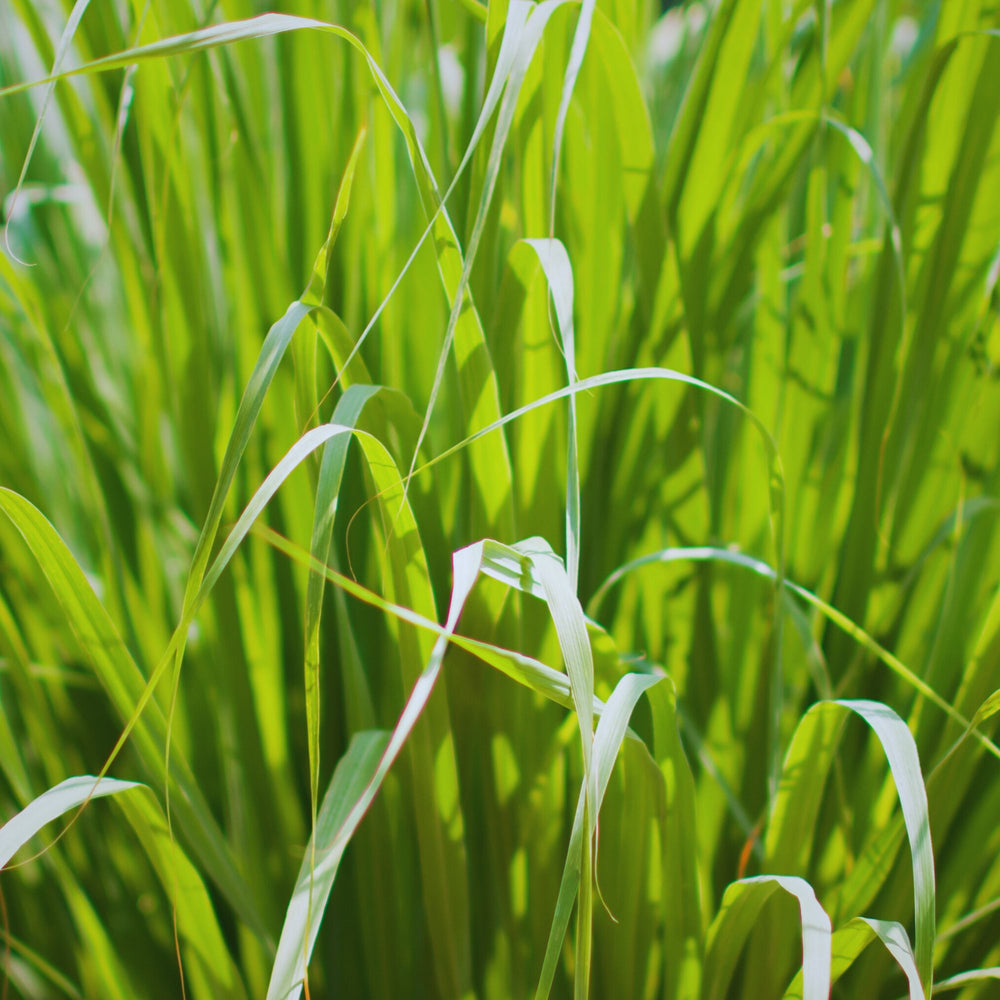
{"x": 559, "y": 274}
{"x": 571, "y": 628}
{"x": 901, "y": 752}
{"x": 319, "y": 866}
{"x": 710, "y": 553}
{"x": 607, "y": 743}
{"x": 815, "y": 741}
{"x": 741, "y": 904}
{"x": 853, "y": 938}
{"x": 897, "y": 943}
{"x": 956, "y": 982}
{"x": 208, "y": 967}
{"x": 50, "y": 805}
{"x": 129, "y": 692}
{"x": 79, "y": 9}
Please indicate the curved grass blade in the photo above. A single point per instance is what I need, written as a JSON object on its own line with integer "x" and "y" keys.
{"x": 213, "y": 36}
{"x": 129, "y": 692}
{"x": 571, "y": 629}
{"x": 50, "y": 805}
{"x": 525, "y": 670}
{"x": 816, "y": 738}
{"x": 703, "y": 553}
{"x": 308, "y": 443}
{"x": 741, "y": 904}
{"x": 86, "y": 614}
{"x": 852, "y": 939}
{"x": 956, "y": 982}
{"x": 681, "y": 906}
{"x": 622, "y": 376}
{"x": 897, "y": 942}
{"x": 904, "y": 763}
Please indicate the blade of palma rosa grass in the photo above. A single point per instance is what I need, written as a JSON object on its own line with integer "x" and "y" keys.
{"x": 850, "y": 940}
{"x": 79, "y": 9}
{"x": 904, "y": 764}
{"x": 741, "y": 904}
{"x": 50, "y": 805}
{"x": 559, "y": 274}
{"x": 209, "y": 966}
{"x": 319, "y": 867}
{"x": 567, "y": 615}
{"x": 624, "y": 376}
{"x": 526, "y": 567}
{"x": 809, "y": 759}
{"x": 956, "y": 982}
{"x": 576, "y": 879}
{"x": 707, "y": 553}
{"x": 281, "y": 334}
{"x": 129, "y": 692}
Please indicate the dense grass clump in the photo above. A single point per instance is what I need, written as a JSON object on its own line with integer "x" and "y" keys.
{"x": 499, "y": 500}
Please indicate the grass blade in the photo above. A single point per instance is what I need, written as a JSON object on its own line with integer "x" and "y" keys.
{"x": 320, "y": 864}
{"x": 50, "y": 805}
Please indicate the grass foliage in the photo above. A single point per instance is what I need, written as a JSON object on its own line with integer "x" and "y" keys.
{"x": 500, "y": 501}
